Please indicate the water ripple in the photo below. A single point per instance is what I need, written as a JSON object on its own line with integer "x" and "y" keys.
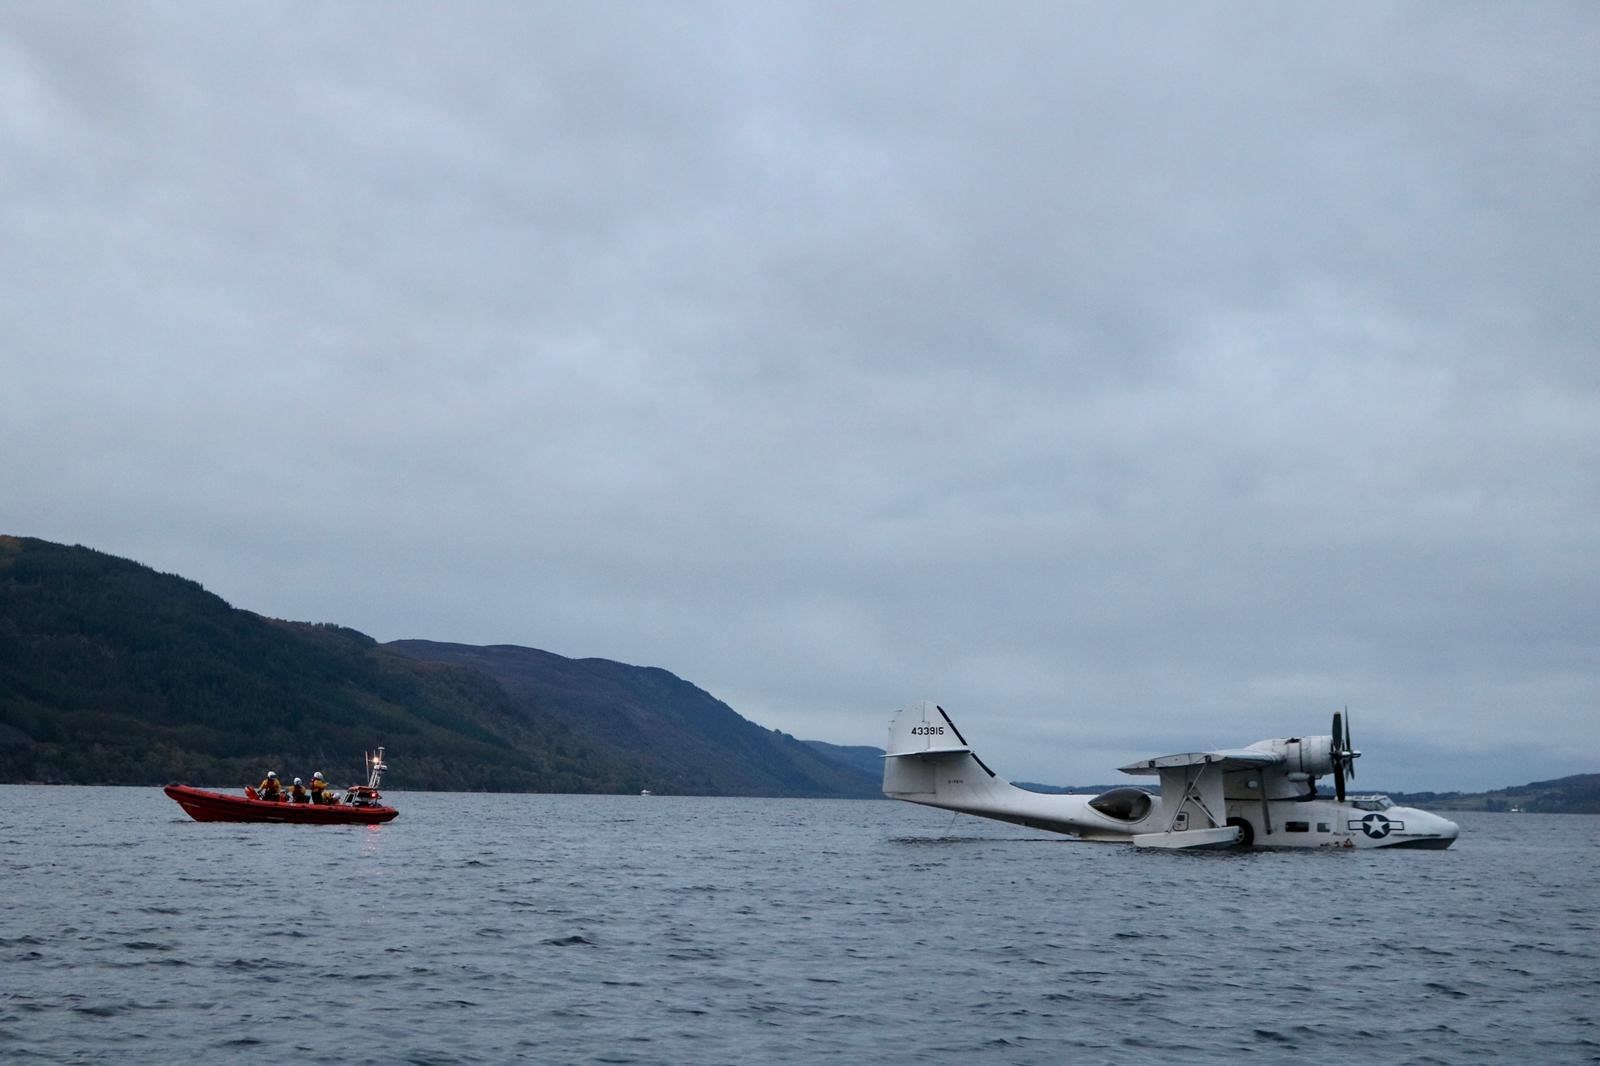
{"x": 482, "y": 929}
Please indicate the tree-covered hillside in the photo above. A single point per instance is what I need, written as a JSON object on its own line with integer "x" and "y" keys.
{"x": 112, "y": 673}
{"x": 679, "y": 737}
{"x": 1578, "y": 794}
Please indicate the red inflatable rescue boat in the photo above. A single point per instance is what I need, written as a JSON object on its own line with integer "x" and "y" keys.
{"x": 361, "y": 804}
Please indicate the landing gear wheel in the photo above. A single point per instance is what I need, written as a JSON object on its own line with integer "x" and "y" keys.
{"x": 1247, "y": 834}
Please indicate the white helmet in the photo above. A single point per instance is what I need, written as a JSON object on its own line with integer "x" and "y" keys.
{"x": 272, "y": 773}
{"x": 317, "y": 776}
{"x": 297, "y": 780}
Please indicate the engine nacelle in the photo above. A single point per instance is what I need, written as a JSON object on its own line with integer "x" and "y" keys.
{"x": 1312, "y": 756}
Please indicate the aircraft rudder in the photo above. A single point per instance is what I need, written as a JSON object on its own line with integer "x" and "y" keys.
{"x": 921, "y": 728}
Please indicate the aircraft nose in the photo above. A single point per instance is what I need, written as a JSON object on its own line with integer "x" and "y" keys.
{"x": 1429, "y": 830}
{"x": 1441, "y": 829}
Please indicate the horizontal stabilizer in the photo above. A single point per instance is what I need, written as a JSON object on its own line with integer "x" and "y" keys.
{"x": 931, "y": 753}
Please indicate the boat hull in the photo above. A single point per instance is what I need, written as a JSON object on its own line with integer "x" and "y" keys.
{"x": 204, "y": 805}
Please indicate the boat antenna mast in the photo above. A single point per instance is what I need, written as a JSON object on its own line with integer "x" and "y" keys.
{"x": 375, "y": 768}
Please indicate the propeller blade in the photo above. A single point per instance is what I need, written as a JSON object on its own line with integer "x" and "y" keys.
{"x": 1340, "y": 753}
{"x": 1350, "y": 752}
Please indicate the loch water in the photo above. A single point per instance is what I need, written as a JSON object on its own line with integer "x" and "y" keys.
{"x": 627, "y": 929}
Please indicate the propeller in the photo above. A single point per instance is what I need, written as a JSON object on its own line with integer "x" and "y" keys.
{"x": 1344, "y": 753}
{"x": 1338, "y": 756}
{"x": 1350, "y": 751}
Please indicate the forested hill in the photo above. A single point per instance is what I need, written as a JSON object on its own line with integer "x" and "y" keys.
{"x": 112, "y": 673}
{"x": 1578, "y": 794}
{"x": 675, "y": 736}
{"x": 867, "y": 759}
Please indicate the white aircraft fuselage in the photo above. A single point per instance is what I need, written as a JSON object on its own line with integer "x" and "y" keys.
{"x": 1262, "y": 796}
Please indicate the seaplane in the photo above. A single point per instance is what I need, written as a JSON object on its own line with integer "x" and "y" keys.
{"x": 1264, "y": 795}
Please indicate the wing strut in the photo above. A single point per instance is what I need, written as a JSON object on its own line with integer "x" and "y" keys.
{"x": 1191, "y": 791}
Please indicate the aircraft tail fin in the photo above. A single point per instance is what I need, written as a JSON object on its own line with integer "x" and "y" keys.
{"x": 923, "y": 744}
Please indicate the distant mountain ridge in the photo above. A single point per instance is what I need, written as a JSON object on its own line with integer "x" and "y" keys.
{"x": 674, "y": 736}
{"x": 112, "y": 673}
{"x": 1577, "y": 794}
{"x": 865, "y": 758}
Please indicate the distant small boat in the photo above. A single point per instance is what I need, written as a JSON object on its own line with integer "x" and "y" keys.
{"x": 646, "y": 792}
{"x": 361, "y": 804}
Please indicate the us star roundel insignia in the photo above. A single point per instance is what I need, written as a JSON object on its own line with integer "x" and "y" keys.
{"x": 1375, "y": 825}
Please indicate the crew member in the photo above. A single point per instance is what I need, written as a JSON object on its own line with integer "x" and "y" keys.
{"x": 270, "y": 789}
{"x": 320, "y": 792}
{"x": 297, "y": 794}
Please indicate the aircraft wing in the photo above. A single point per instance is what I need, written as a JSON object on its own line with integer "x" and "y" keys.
{"x": 1225, "y": 760}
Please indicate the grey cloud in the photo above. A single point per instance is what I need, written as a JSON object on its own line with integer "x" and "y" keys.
{"x": 1125, "y": 380}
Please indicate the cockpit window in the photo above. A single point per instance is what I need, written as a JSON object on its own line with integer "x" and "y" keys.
{"x": 1371, "y": 803}
{"x": 1124, "y": 804}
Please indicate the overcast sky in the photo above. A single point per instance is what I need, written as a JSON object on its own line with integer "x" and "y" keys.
{"x": 1126, "y": 378}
